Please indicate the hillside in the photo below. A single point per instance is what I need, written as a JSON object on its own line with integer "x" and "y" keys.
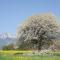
{"x": 6, "y": 39}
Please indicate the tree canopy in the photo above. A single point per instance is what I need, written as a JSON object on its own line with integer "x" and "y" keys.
{"x": 39, "y": 31}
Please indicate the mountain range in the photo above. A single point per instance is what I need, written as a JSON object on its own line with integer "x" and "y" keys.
{"x": 6, "y": 38}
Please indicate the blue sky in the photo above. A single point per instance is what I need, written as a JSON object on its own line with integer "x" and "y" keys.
{"x": 14, "y": 12}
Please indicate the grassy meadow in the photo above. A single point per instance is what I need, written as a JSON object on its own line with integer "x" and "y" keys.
{"x": 27, "y": 55}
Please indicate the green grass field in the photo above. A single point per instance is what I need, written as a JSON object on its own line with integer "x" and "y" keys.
{"x": 29, "y": 58}
{"x": 10, "y": 55}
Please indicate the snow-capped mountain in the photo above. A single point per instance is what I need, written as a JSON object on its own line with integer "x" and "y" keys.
{"x": 6, "y": 35}
{"x": 6, "y": 38}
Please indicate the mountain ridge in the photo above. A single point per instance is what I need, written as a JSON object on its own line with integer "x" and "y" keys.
{"x": 6, "y": 38}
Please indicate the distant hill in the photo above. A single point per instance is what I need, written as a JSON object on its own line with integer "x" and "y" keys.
{"x": 6, "y": 39}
